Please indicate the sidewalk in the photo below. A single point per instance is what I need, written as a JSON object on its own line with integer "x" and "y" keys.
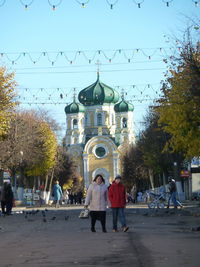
{"x": 156, "y": 238}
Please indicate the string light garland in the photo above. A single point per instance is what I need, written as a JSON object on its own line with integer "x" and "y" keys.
{"x": 55, "y": 3}
{"x": 83, "y": 4}
{"x": 138, "y": 3}
{"x": 90, "y": 56}
{"x": 26, "y": 4}
{"x": 112, "y": 4}
{"x": 167, "y": 2}
{"x": 59, "y": 95}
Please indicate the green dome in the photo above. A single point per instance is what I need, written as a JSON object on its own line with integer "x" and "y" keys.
{"x": 123, "y": 106}
{"x": 98, "y": 94}
{"x": 74, "y": 108}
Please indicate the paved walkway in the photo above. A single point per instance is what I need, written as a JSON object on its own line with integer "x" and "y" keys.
{"x": 59, "y": 238}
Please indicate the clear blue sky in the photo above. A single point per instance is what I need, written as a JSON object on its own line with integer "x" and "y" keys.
{"x": 96, "y": 27}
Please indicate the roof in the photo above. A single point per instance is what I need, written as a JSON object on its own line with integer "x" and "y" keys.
{"x": 123, "y": 106}
{"x": 74, "y": 108}
{"x": 98, "y": 93}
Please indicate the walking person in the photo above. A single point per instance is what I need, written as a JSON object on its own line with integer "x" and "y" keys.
{"x": 3, "y": 199}
{"x": 57, "y": 194}
{"x": 96, "y": 199}
{"x": 173, "y": 192}
{"x": 9, "y": 197}
{"x": 117, "y": 198}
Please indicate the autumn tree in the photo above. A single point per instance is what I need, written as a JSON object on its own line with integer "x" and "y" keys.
{"x": 134, "y": 171}
{"x": 66, "y": 171}
{"x": 179, "y": 107}
{"x": 29, "y": 148}
{"x": 7, "y": 101}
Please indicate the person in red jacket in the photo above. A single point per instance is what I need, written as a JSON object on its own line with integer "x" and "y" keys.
{"x": 117, "y": 198}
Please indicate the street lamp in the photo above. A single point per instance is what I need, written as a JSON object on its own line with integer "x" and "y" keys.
{"x": 21, "y": 153}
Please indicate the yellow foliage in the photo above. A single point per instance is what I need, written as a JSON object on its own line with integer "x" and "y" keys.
{"x": 48, "y": 149}
{"x": 7, "y": 103}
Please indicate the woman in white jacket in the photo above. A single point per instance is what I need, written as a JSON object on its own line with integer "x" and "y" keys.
{"x": 97, "y": 200}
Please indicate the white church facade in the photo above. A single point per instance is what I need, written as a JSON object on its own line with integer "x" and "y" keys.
{"x": 98, "y": 125}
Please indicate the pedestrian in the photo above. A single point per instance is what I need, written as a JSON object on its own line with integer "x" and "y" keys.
{"x": 66, "y": 196}
{"x": 79, "y": 197}
{"x": 57, "y": 193}
{"x": 96, "y": 199}
{"x": 117, "y": 198}
{"x": 9, "y": 197}
{"x": 3, "y": 200}
{"x": 173, "y": 192}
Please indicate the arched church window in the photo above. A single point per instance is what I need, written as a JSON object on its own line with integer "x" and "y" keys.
{"x": 99, "y": 119}
{"x": 124, "y": 123}
{"x": 113, "y": 119}
{"x": 75, "y": 124}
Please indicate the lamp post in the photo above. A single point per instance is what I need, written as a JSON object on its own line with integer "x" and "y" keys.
{"x": 21, "y": 153}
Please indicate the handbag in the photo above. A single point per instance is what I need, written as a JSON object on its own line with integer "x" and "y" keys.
{"x": 84, "y": 214}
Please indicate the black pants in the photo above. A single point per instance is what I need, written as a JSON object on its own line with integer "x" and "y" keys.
{"x": 3, "y": 206}
{"x": 98, "y": 215}
{"x": 9, "y": 205}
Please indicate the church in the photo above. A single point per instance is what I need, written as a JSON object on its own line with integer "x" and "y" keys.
{"x": 99, "y": 125}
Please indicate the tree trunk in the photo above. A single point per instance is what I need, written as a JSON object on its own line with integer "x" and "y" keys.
{"x": 151, "y": 178}
{"x": 51, "y": 180}
{"x": 47, "y": 188}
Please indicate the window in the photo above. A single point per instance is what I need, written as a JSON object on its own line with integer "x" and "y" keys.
{"x": 100, "y": 152}
{"x": 124, "y": 123}
{"x": 75, "y": 124}
{"x": 99, "y": 119}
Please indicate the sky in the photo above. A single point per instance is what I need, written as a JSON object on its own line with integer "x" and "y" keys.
{"x": 56, "y": 53}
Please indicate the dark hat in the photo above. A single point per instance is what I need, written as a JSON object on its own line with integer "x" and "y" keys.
{"x": 118, "y": 177}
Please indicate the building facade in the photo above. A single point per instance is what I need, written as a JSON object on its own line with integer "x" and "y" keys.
{"x": 98, "y": 126}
